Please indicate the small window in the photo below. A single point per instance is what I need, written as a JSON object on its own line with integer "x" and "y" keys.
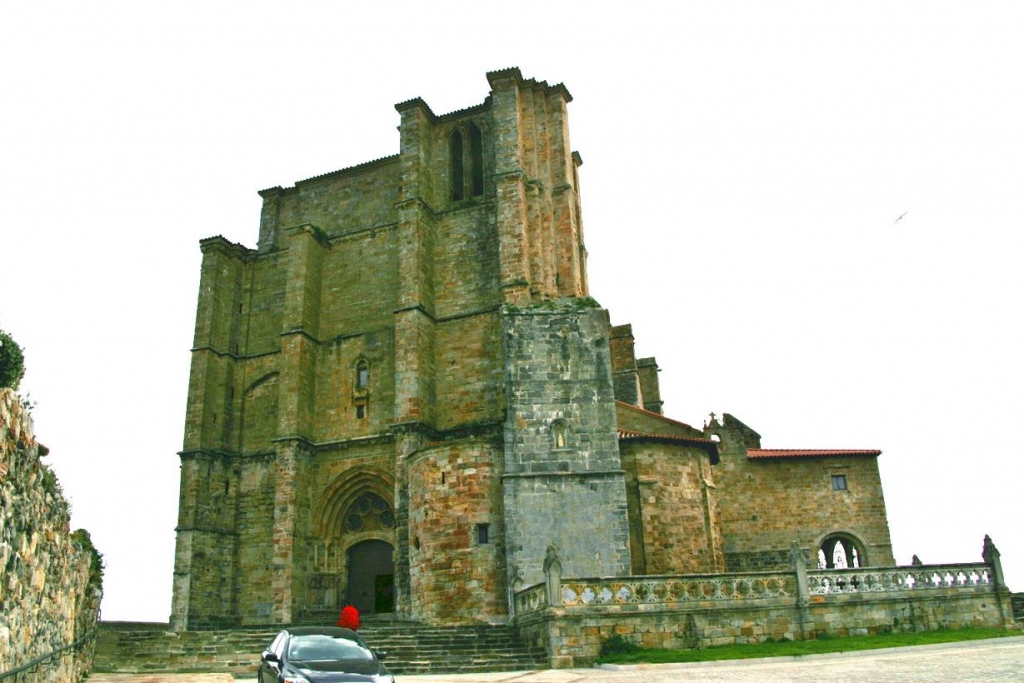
{"x": 838, "y": 482}
{"x": 362, "y": 374}
{"x": 361, "y": 411}
{"x": 483, "y": 534}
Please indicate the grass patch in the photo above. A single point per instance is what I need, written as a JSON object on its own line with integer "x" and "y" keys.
{"x": 789, "y": 648}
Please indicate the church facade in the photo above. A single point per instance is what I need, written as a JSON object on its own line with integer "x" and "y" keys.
{"x": 403, "y": 399}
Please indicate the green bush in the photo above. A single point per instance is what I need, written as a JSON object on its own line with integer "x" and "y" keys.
{"x": 617, "y": 645}
{"x": 12, "y": 362}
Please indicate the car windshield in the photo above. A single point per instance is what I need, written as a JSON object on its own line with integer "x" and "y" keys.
{"x": 310, "y": 648}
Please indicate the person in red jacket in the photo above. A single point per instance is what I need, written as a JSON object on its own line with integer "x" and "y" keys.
{"x": 349, "y": 618}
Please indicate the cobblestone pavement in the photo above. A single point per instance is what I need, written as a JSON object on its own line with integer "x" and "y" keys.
{"x": 1000, "y": 659}
{"x": 161, "y": 678}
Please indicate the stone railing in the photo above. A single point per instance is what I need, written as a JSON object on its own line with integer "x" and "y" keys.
{"x": 660, "y": 590}
{"x": 890, "y": 579}
{"x": 532, "y": 599}
{"x": 684, "y": 591}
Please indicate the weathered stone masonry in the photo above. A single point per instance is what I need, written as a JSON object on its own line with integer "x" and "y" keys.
{"x": 50, "y": 588}
{"x": 404, "y": 398}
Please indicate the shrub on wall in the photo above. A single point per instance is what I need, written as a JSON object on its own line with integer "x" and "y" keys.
{"x": 12, "y": 362}
{"x": 83, "y": 540}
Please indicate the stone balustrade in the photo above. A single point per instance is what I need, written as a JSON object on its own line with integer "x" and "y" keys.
{"x": 532, "y": 599}
{"x": 891, "y": 579}
{"x": 572, "y": 617}
{"x": 685, "y": 591}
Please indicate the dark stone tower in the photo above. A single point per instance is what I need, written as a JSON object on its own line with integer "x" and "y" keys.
{"x": 374, "y": 386}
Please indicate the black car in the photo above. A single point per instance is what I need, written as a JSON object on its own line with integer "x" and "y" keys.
{"x": 321, "y": 654}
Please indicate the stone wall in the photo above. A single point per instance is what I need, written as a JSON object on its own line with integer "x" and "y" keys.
{"x": 457, "y": 558}
{"x": 673, "y": 529}
{"x": 50, "y": 586}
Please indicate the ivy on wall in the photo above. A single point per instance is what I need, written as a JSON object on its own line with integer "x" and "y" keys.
{"x": 12, "y": 362}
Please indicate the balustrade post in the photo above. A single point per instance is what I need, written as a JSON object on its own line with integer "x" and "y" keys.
{"x": 553, "y": 577}
{"x": 803, "y": 594}
{"x": 796, "y": 555}
{"x": 990, "y": 555}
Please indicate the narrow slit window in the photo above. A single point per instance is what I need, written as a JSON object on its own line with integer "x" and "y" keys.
{"x": 362, "y": 374}
{"x": 483, "y": 534}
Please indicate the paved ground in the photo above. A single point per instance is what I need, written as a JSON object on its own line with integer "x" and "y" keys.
{"x": 1001, "y": 659}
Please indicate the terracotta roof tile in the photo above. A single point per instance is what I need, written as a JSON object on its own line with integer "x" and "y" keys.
{"x": 707, "y": 444}
{"x": 781, "y": 453}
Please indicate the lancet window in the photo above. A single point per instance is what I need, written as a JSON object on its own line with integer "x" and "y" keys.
{"x": 466, "y": 163}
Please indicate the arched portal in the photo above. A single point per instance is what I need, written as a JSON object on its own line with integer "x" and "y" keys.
{"x": 354, "y": 538}
{"x": 840, "y": 551}
{"x": 371, "y": 577}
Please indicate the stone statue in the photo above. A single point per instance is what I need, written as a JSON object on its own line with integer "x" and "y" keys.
{"x": 553, "y": 576}
{"x": 796, "y": 555}
{"x": 916, "y": 561}
{"x": 990, "y": 555}
{"x": 989, "y": 551}
{"x": 551, "y": 559}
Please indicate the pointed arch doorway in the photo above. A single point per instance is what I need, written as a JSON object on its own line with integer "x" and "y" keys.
{"x": 371, "y": 577}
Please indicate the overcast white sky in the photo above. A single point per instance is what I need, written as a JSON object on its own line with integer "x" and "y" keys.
{"x": 744, "y": 166}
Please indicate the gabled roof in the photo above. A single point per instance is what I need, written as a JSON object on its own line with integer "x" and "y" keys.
{"x": 659, "y": 423}
{"x": 707, "y": 444}
{"x": 785, "y": 453}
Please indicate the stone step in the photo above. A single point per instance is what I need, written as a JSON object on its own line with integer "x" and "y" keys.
{"x": 412, "y": 648}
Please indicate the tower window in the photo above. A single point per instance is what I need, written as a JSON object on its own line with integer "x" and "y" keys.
{"x": 360, "y": 411}
{"x": 838, "y": 482}
{"x": 476, "y": 161}
{"x": 456, "y": 166}
{"x": 362, "y": 374}
{"x": 483, "y": 534}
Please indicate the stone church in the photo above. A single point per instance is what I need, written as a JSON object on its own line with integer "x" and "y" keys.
{"x": 403, "y": 398}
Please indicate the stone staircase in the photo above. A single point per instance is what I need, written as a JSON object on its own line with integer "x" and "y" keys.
{"x": 127, "y": 647}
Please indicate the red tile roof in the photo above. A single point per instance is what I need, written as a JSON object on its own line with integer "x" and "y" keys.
{"x": 707, "y": 444}
{"x": 658, "y": 416}
{"x": 776, "y": 453}
{"x": 631, "y": 434}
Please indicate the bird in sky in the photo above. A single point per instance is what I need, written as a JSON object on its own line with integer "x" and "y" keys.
{"x": 900, "y": 217}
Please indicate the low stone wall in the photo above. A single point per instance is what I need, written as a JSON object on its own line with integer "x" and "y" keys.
{"x": 48, "y": 601}
{"x": 723, "y": 609}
